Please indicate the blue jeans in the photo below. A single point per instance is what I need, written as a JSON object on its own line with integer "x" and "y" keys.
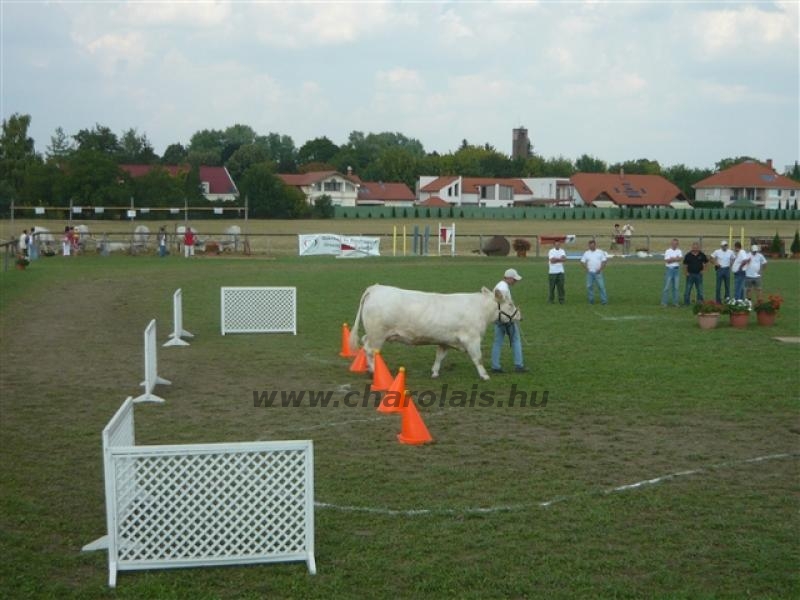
{"x": 162, "y": 251}
{"x": 500, "y": 332}
{"x": 670, "y": 284}
{"x": 723, "y": 278}
{"x": 696, "y": 280}
{"x": 738, "y": 284}
{"x": 596, "y": 278}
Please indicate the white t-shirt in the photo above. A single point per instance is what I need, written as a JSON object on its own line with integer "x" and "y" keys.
{"x": 557, "y": 267}
{"x": 757, "y": 260}
{"x": 594, "y": 259}
{"x": 741, "y": 256}
{"x": 724, "y": 258}
{"x": 670, "y": 253}
{"x": 23, "y": 241}
{"x": 504, "y": 288}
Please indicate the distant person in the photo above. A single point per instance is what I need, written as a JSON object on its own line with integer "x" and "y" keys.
{"x": 188, "y": 243}
{"x": 695, "y": 263}
{"x": 162, "y": 242}
{"x": 740, "y": 262}
{"x": 594, "y": 261}
{"x": 753, "y": 271}
{"x": 723, "y": 259}
{"x": 506, "y": 327}
{"x": 673, "y": 257}
{"x": 627, "y": 232}
{"x": 22, "y": 243}
{"x": 75, "y": 239}
{"x": 33, "y": 248}
{"x": 556, "y": 258}
{"x": 618, "y": 239}
{"x": 66, "y": 242}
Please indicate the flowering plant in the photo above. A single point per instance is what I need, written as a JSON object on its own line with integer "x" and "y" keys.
{"x": 22, "y": 260}
{"x": 707, "y": 307}
{"x": 521, "y": 245}
{"x": 736, "y": 307}
{"x": 771, "y": 305}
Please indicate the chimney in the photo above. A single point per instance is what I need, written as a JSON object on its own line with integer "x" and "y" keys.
{"x": 769, "y": 164}
{"x": 621, "y": 173}
{"x": 349, "y": 171}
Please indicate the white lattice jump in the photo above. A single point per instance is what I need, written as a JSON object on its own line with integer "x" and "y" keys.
{"x": 258, "y": 310}
{"x": 151, "y": 377}
{"x": 204, "y": 504}
{"x": 178, "y": 331}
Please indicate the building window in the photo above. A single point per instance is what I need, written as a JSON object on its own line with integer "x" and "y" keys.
{"x": 206, "y": 187}
{"x": 487, "y": 192}
{"x": 456, "y": 189}
{"x": 449, "y": 191}
{"x": 506, "y": 192}
{"x": 332, "y": 186}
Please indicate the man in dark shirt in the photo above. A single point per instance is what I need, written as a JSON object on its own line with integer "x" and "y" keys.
{"x": 694, "y": 264}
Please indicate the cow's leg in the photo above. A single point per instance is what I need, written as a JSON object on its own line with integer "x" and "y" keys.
{"x": 370, "y": 347}
{"x": 473, "y": 348}
{"x": 441, "y": 352}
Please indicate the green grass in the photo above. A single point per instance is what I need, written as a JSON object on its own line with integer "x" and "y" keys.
{"x": 635, "y": 392}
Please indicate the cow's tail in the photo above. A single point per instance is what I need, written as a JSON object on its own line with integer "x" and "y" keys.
{"x": 357, "y": 322}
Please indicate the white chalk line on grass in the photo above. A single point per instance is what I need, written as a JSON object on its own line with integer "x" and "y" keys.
{"x": 414, "y": 512}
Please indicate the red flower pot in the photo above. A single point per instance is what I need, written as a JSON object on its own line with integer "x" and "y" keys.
{"x": 739, "y": 320}
{"x": 767, "y": 319}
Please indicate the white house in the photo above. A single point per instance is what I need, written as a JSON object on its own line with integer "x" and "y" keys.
{"x": 342, "y": 190}
{"x": 749, "y": 182}
{"x": 490, "y": 192}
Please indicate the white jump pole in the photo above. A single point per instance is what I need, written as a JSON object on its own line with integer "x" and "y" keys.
{"x": 151, "y": 378}
{"x": 177, "y": 317}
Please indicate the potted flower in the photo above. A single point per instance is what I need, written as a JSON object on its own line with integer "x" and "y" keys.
{"x": 739, "y": 311}
{"x": 795, "y": 247}
{"x": 708, "y": 313}
{"x": 212, "y": 248}
{"x": 766, "y": 310}
{"x": 22, "y": 262}
{"x": 521, "y": 247}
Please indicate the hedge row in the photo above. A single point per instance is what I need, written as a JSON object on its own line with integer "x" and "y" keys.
{"x": 538, "y": 213}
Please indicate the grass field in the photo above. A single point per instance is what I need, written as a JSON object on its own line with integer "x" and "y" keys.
{"x": 521, "y": 502}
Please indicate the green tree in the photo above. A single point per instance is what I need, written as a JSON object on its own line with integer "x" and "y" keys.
{"x": 641, "y": 166}
{"x": 157, "y": 188}
{"x": 281, "y": 150}
{"x": 317, "y": 150}
{"x": 558, "y": 166}
{"x": 135, "y": 149}
{"x": 17, "y": 156}
{"x": 685, "y": 177}
{"x": 175, "y": 154}
{"x": 99, "y": 139}
{"x": 727, "y": 163}
{"x": 268, "y": 197}
{"x": 244, "y": 158}
{"x": 323, "y": 207}
{"x": 589, "y": 164}
{"x": 60, "y": 147}
{"x": 94, "y": 179}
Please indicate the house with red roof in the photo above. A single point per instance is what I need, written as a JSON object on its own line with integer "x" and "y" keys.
{"x": 217, "y": 184}
{"x": 749, "y": 182}
{"x": 606, "y": 190}
{"x": 349, "y": 189}
{"x": 491, "y": 192}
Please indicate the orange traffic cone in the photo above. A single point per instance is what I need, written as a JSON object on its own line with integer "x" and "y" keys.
{"x": 394, "y": 400}
{"x": 346, "y": 352}
{"x": 413, "y": 429}
{"x": 359, "y": 364}
{"x": 381, "y": 377}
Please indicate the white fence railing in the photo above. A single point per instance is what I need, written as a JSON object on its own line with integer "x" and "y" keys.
{"x": 204, "y": 504}
{"x": 177, "y": 319}
{"x": 151, "y": 378}
{"x": 258, "y": 310}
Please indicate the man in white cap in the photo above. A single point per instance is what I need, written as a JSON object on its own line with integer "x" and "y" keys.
{"x": 753, "y": 271}
{"x": 723, "y": 259}
{"x": 505, "y": 325}
{"x": 739, "y": 265}
{"x": 594, "y": 261}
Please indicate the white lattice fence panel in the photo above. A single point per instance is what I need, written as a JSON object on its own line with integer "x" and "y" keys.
{"x": 214, "y": 504}
{"x": 259, "y": 310}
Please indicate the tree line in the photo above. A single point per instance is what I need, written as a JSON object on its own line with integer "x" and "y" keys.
{"x": 84, "y": 166}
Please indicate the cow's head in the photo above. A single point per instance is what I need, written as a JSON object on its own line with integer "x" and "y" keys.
{"x": 507, "y": 311}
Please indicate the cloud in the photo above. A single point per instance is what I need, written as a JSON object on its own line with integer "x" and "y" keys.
{"x": 746, "y": 29}
{"x": 400, "y": 78}
{"x": 209, "y": 13}
{"x": 112, "y": 50}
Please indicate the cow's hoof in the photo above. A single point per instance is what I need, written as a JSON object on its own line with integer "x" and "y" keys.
{"x": 434, "y": 376}
{"x": 485, "y": 377}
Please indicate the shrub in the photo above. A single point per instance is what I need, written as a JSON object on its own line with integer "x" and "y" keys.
{"x": 795, "y": 247}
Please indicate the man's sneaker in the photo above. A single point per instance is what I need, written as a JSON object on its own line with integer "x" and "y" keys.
{"x": 520, "y": 369}
{"x": 497, "y": 370}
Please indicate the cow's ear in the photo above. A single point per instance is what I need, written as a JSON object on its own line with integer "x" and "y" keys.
{"x": 485, "y": 290}
{"x": 498, "y": 295}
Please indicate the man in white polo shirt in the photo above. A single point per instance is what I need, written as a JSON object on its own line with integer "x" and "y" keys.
{"x": 723, "y": 259}
{"x": 505, "y": 326}
{"x": 753, "y": 271}
{"x": 556, "y": 258}
{"x": 673, "y": 257}
{"x": 594, "y": 261}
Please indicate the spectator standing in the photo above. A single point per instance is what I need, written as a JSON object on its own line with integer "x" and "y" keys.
{"x": 22, "y": 243}
{"x": 188, "y": 243}
{"x": 33, "y": 248}
{"x": 556, "y": 258}
{"x": 673, "y": 256}
{"x": 740, "y": 262}
{"x": 594, "y": 261}
{"x": 505, "y": 326}
{"x": 162, "y": 242}
{"x": 627, "y": 232}
{"x": 755, "y": 267}
{"x": 695, "y": 263}
{"x": 66, "y": 242}
{"x": 723, "y": 259}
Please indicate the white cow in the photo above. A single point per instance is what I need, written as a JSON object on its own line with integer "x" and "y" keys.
{"x": 423, "y": 318}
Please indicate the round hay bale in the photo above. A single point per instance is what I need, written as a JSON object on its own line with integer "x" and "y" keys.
{"x": 140, "y": 235}
{"x": 496, "y": 246}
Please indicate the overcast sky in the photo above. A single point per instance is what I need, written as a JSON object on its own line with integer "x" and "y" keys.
{"x": 676, "y": 82}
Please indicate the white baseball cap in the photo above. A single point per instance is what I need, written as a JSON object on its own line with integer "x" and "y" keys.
{"x": 755, "y": 248}
{"x": 512, "y": 274}
{"x": 723, "y": 243}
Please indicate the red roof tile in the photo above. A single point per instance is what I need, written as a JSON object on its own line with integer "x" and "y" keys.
{"x": 472, "y": 185}
{"x": 630, "y": 190}
{"x": 439, "y": 183}
{"x": 218, "y": 179}
{"x": 378, "y": 190}
{"x": 434, "y": 201}
{"x": 749, "y": 174}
